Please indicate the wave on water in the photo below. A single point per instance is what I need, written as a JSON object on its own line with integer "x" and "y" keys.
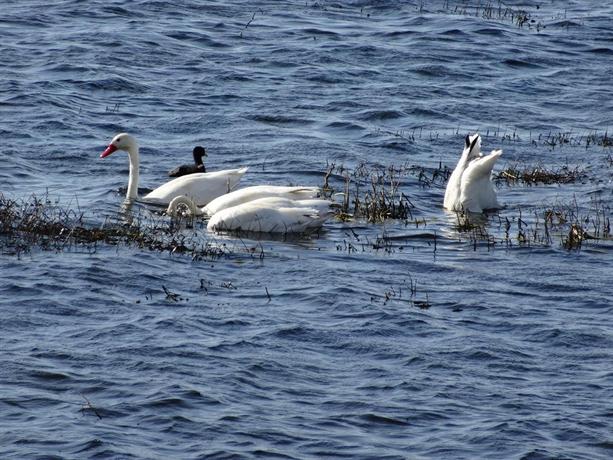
{"x": 401, "y": 328}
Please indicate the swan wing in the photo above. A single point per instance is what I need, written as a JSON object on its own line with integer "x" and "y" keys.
{"x": 319, "y": 204}
{"x": 255, "y": 192}
{"x": 200, "y": 187}
{"x": 250, "y": 217}
{"x": 482, "y": 166}
{"x": 478, "y": 192}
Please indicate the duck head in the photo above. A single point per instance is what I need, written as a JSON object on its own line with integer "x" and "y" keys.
{"x": 198, "y": 153}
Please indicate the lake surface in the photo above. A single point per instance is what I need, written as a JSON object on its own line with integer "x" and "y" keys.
{"x": 410, "y": 338}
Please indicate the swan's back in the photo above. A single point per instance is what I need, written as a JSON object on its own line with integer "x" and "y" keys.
{"x": 272, "y": 215}
{"x": 200, "y": 187}
{"x": 255, "y": 192}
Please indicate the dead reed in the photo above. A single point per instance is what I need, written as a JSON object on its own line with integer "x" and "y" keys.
{"x": 38, "y": 223}
{"x": 531, "y": 175}
{"x": 371, "y": 192}
{"x": 504, "y": 136}
{"x": 566, "y": 225}
{"x": 406, "y": 292}
{"x": 497, "y": 11}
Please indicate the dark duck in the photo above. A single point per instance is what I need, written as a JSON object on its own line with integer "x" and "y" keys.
{"x": 197, "y": 167}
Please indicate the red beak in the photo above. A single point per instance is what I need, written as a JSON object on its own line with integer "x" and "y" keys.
{"x": 110, "y": 149}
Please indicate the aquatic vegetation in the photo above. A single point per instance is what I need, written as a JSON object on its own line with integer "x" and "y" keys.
{"x": 555, "y": 139}
{"x": 88, "y": 407}
{"x": 397, "y": 294}
{"x": 563, "y": 224}
{"x": 38, "y": 222}
{"x": 504, "y": 136}
{"x": 496, "y": 11}
{"x": 531, "y": 175}
{"x": 371, "y": 192}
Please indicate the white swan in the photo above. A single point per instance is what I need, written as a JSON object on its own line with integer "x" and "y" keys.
{"x": 273, "y": 215}
{"x": 200, "y": 187}
{"x": 241, "y": 196}
{"x": 267, "y": 215}
{"x": 470, "y": 187}
{"x": 254, "y": 192}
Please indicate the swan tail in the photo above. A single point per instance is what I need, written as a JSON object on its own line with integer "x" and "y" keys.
{"x": 301, "y": 193}
{"x": 485, "y": 165}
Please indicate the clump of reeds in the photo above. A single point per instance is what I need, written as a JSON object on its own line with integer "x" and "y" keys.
{"x": 371, "y": 192}
{"x": 37, "y": 222}
{"x": 429, "y": 177}
{"x": 399, "y": 294}
{"x": 550, "y": 139}
{"x": 567, "y": 225}
{"x": 574, "y": 228}
{"x": 475, "y": 227}
{"x": 572, "y": 139}
{"x": 496, "y": 11}
{"x": 531, "y": 175}
{"x": 602, "y": 140}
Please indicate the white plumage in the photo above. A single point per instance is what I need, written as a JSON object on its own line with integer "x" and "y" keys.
{"x": 201, "y": 187}
{"x": 255, "y": 192}
{"x": 273, "y": 215}
{"x": 470, "y": 187}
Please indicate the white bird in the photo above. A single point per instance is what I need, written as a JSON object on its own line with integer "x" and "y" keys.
{"x": 255, "y": 192}
{"x": 241, "y": 196}
{"x": 200, "y": 187}
{"x": 470, "y": 187}
{"x": 273, "y": 215}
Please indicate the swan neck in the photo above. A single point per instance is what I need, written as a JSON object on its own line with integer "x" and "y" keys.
{"x": 183, "y": 200}
{"x": 132, "y": 192}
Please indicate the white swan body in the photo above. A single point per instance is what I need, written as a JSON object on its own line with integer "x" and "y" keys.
{"x": 200, "y": 187}
{"x": 470, "y": 187}
{"x": 273, "y": 215}
{"x": 255, "y": 192}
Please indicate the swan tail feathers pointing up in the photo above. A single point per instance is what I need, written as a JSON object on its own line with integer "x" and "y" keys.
{"x": 485, "y": 164}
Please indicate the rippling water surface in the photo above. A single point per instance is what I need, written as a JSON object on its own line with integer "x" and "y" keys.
{"x": 314, "y": 347}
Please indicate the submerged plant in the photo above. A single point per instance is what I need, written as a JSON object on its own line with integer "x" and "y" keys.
{"x": 371, "y": 192}
{"x": 37, "y": 222}
{"x": 567, "y": 225}
{"x": 531, "y": 175}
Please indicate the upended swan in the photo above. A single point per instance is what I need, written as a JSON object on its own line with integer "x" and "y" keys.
{"x": 267, "y": 215}
{"x": 200, "y": 187}
{"x": 470, "y": 187}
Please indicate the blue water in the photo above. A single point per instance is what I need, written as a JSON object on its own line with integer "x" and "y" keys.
{"x": 314, "y": 347}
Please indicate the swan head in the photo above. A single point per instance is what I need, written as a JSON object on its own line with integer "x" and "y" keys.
{"x": 122, "y": 141}
{"x": 472, "y": 147}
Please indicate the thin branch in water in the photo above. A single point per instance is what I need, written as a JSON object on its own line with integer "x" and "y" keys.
{"x": 88, "y": 406}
